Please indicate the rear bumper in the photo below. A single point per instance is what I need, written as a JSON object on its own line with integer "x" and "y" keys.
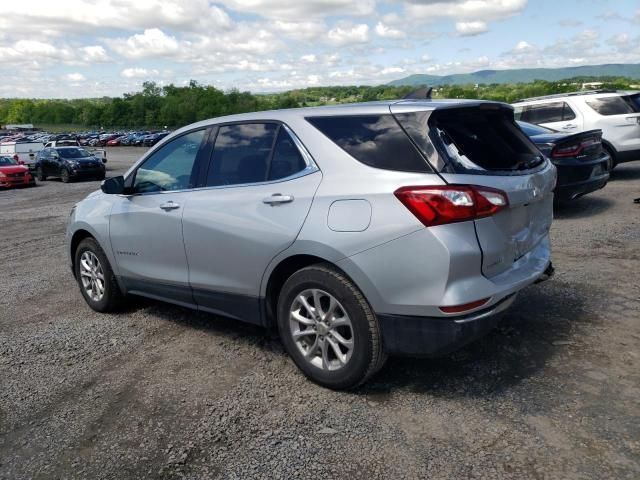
{"x": 577, "y": 178}
{"x": 433, "y": 336}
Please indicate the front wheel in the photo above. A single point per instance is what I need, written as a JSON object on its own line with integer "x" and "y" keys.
{"x": 95, "y": 277}
{"x": 64, "y": 176}
{"x": 328, "y": 328}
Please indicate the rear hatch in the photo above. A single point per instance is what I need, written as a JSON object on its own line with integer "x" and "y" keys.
{"x": 480, "y": 144}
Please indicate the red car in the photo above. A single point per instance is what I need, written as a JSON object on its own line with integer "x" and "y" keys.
{"x": 114, "y": 142}
{"x": 12, "y": 174}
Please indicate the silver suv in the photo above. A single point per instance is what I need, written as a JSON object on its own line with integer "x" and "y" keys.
{"x": 358, "y": 230}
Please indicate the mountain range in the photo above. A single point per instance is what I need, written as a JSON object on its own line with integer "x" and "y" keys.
{"x": 522, "y": 75}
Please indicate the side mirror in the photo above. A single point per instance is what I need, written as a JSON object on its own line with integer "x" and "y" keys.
{"x": 113, "y": 186}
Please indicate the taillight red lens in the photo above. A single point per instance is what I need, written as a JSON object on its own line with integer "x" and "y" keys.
{"x": 16, "y": 158}
{"x": 464, "y": 307}
{"x": 570, "y": 151}
{"x": 440, "y": 205}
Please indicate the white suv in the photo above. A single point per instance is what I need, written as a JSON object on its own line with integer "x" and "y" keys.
{"x": 616, "y": 113}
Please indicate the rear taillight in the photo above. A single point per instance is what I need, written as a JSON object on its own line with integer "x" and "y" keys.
{"x": 572, "y": 150}
{"x": 451, "y": 203}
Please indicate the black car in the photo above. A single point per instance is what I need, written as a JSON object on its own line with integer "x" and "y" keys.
{"x": 582, "y": 163}
{"x": 68, "y": 163}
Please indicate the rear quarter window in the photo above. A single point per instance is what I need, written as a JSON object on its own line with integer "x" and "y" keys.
{"x": 375, "y": 140}
{"x": 612, "y": 105}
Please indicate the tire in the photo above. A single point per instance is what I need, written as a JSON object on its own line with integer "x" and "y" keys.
{"x": 64, "y": 176}
{"x": 357, "y": 364}
{"x": 111, "y": 298}
{"x": 101, "y": 177}
{"x": 40, "y": 174}
{"x": 612, "y": 157}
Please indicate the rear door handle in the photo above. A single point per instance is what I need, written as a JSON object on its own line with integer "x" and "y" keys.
{"x": 278, "y": 198}
{"x": 569, "y": 126}
{"x": 170, "y": 205}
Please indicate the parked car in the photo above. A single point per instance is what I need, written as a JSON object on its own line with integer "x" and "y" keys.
{"x": 616, "y": 113}
{"x": 355, "y": 237}
{"x": 13, "y": 174}
{"x": 579, "y": 158}
{"x": 114, "y": 142}
{"x": 68, "y": 142}
{"x": 21, "y": 151}
{"x": 68, "y": 163}
{"x": 153, "y": 138}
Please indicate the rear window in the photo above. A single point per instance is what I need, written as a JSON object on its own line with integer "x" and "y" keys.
{"x": 530, "y": 129}
{"x": 477, "y": 140}
{"x": 375, "y": 140}
{"x": 614, "y": 105}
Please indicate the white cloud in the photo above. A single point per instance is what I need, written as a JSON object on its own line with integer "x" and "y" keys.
{"x": 137, "y": 72}
{"x": 471, "y": 28}
{"x": 469, "y": 10}
{"x": 91, "y": 15}
{"x": 385, "y": 31}
{"x": 152, "y": 43}
{"x": 311, "y": 58}
{"x": 94, "y": 54}
{"x": 75, "y": 77}
{"x": 286, "y": 9}
{"x": 346, "y": 34}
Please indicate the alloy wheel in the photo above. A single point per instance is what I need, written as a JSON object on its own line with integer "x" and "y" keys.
{"x": 92, "y": 276}
{"x": 321, "y": 329}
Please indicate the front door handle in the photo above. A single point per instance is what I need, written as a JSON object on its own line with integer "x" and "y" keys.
{"x": 569, "y": 126}
{"x": 278, "y": 198}
{"x": 170, "y": 205}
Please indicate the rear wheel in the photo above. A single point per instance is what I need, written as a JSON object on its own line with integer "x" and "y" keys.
{"x": 328, "y": 328}
{"x": 40, "y": 174}
{"x": 95, "y": 277}
{"x": 611, "y": 164}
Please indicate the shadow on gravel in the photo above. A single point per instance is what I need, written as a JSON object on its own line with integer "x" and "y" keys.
{"x": 625, "y": 173}
{"x": 582, "y": 207}
{"x": 535, "y": 329}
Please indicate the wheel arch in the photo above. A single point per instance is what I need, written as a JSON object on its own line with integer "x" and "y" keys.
{"x": 281, "y": 273}
{"x": 76, "y": 238}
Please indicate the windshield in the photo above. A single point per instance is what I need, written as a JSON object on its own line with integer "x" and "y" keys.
{"x": 7, "y": 162}
{"x": 73, "y": 153}
{"x": 531, "y": 129}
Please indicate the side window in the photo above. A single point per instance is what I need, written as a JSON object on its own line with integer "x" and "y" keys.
{"x": 241, "y": 154}
{"x": 611, "y": 106}
{"x": 543, "y": 113}
{"x": 171, "y": 167}
{"x": 375, "y": 140}
{"x": 286, "y": 159}
{"x": 568, "y": 113}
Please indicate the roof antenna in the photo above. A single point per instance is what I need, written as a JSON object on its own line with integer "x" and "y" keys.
{"x": 419, "y": 94}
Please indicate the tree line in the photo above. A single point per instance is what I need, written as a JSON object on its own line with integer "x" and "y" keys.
{"x": 172, "y": 106}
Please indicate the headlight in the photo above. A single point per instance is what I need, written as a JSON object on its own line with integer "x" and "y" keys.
{"x": 73, "y": 163}
{"x": 2, "y": 175}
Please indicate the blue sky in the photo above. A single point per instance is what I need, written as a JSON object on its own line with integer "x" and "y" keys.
{"x": 90, "y": 48}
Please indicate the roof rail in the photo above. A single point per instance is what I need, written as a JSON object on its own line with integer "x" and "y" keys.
{"x": 568, "y": 94}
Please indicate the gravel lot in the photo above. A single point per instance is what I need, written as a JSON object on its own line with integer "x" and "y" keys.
{"x": 159, "y": 391}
